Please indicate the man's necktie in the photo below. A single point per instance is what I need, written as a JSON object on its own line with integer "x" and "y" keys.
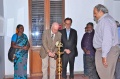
{"x": 52, "y": 36}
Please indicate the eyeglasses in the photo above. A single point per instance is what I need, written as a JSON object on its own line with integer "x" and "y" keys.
{"x": 68, "y": 23}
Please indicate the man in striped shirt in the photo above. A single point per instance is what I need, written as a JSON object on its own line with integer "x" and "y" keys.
{"x": 105, "y": 42}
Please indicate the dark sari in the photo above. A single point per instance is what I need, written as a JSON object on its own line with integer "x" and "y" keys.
{"x": 20, "y": 62}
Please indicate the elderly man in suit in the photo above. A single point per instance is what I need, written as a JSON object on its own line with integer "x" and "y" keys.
{"x": 69, "y": 40}
{"x": 48, "y": 50}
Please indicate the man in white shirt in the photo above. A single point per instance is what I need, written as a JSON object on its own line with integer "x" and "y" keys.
{"x": 105, "y": 42}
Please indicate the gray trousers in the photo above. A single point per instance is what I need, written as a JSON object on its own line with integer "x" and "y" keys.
{"x": 52, "y": 65}
{"x": 107, "y": 73}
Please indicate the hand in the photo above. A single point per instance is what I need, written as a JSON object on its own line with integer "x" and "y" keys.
{"x": 25, "y": 48}
{"x": 67, "y": 51}
{"x": 87, "y": 52}
{"x": 51, "y": 54}
{"x": 104, "y": 61}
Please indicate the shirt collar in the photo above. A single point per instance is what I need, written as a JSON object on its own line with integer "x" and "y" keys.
{"x": 102, "y": 17}
{"x": 51, "y": 32}
{"x": 68, "y": 29}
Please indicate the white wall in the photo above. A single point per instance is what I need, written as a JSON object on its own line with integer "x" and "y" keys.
{"x": 114, "y": 8}
{"x": 1, "y": 18}
{"x": 109, "y": 5}
{"x": 1, "y": 8}
{"x": 15, "y": 12}
{"x": 2, "y": 55}
{"x": 81, "y": 12}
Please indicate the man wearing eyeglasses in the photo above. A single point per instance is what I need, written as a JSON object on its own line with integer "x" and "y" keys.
{"x": 69, "y": 40}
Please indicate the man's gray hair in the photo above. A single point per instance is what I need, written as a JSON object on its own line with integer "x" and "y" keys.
{"x": 102, "y": 8}
{"x": 55, "y": 24}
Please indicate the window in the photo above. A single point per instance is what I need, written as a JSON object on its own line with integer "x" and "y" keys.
{"x": 43, "y": 14}
{"x": 56, "y": 7}
{"x": 37, "y": 22}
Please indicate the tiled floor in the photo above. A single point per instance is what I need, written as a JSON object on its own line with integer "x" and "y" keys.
{"x": 76, "y": 77}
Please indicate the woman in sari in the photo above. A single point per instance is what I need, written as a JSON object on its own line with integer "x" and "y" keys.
{"x": 20, "y": 42}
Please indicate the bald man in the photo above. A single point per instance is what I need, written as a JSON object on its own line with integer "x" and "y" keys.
{"x": 48, "y": 50}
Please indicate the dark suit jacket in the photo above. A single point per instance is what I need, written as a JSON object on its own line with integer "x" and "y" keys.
{"x": 70, "y": 44}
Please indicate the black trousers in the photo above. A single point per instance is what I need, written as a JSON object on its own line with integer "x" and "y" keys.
{"x": 68, "y": 58}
